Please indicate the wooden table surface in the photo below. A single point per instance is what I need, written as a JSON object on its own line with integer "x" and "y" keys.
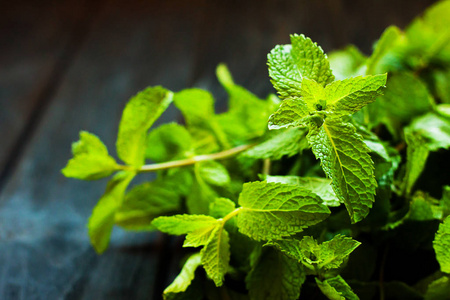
{"x": 71, "y": 65}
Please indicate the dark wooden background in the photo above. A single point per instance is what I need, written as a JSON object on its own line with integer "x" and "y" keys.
{"x": 71, "y": 65}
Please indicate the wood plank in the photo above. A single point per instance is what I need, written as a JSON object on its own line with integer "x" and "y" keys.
{"x": 44, "y": 248}
{"x": 38, "y": 41}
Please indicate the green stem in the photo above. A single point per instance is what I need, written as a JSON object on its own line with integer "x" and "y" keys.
{"x": 231, "y": 214}
{"x": 190, "y": 161}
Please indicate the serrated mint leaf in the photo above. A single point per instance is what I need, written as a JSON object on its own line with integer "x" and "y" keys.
{"x": 274, "y": 210}
{"x": 200, "y": 237}
{"x": 138, "y": 116}
{"x": 313, "y": 94}
{"x": 381, "y": 58}
{"x": 184, "y": 279}
{"x": 319, "y": 186}
{"x": 345, "y": 159}
{"x": 221, "y": 207}
{"x": 90, "y": 160}
{"x": 348, "y": 62}
{"x": 168, "y": 142}
{"x": 289, "y": 64}
{"x": 348, "y": 96}
{"x": 293, "y": 112}
{"x": 216, "y": 255}
{"x": 336, "y": 288}
{"x": 213, "y": 173}
{"x": 145, "y": 202}
{"x": 287, "y": 142}
{"x": 439, "y": 289}
{"x": 275, "y": 276}
{"x": 441, "y": 244}
{"x": 435, "y": 130}
{"x": 101, "y": 221}
{"x": 283, "y": 71}
{"x": 183, "y": 224}
{"x": 318, "y": 257}
{"x": 310, "y": 60}
{"x": 416, "y": 158}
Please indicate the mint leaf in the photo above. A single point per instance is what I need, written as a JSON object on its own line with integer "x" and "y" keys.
{"x": 213, "y": 173}
{"x": 275, "y": 276}
{"x": 441, "y": 244}
{"x": 434, "y": 129}
{"x": 184, "y": 279}
{"x": 145, "y": 202}
{"x": 310, "y": 60}
{"x": 221, "y": 207}
{"x": 183, "y": 224}
{"x": 90, "y": 160}
{"x": 138, "y": 116}
{"x": 345, "y": 159}
{"x": 347, "y": 62}
{"x": 336, "y": 288}
{"x": 199, "y": 237}
{"x": 438, "y": 289}
{"x": 319, "y": 186}
{"x": 282, "y": 143}
{"x": 201, "y": 193}
{"x": 289, "y": 64}
{"x": 416, "y": 158}
{"x": 293, "y": 112}
{"x": 274, "y": 210}
{"x": 350, "y": 95}
{"x": 168, "y": 142}
{"x": 216, "y": 255}
{"x": 381, "y": 58}
{"x": 101, "y": 221}
{"x": 318, "y": 258}
{"x": 247, "y": 115}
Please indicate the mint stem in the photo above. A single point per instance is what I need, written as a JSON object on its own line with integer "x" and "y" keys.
{"x": 192, "y": 160}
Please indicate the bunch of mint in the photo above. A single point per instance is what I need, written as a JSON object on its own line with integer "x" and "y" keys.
{"x": 314, "y": 193}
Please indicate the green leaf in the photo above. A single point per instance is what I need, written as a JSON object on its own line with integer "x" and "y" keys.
{"x": 216, "y": 255}
{"x": 197, "y": 107}
{"x": 438, "y": 289}
{"x": 442, "y": 82}
{"x": 200, "y": 237}
{"x": 336, "y": 288}
{"x": 289, "y": 64}
{"x": 275, "y": 276}
{"x": 345, "y": 159}
{"x": 293, "y": 112}
{"x": 101, "y": 221}
{"x": 201, "y": 194}
{"x": 138, "y": 116}
{"x": 213, "y": 173}
{"x": 434, "y": 129}
{"x": 445, "y": 201}
{"x": 318, "y": 258}
{"x": 221, "y": 207}
{"x": 381, "y": 58}
{"x": 168, "y": 142}
{"x": 90, "y": 160}
{"x": 347, "y": 62}
{"x": 145, "y": 202}
{"x": 183, "y": 224}
{"x": 274, "y": 210}
{"x": 313, "y": 94}
{"x": 283, "y": 142}
{"x": 184, "y": 279}
{"x": 310, "y": 60}
{"x": 416, "y": 158}
{"x": 247, "y": 115}
{"x": 350, "y": 95}
{"x": 441, "y": 244}
{"x": 319, "y": 186}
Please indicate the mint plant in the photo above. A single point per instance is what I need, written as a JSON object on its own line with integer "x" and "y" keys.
{"x": 312, "y": 193}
